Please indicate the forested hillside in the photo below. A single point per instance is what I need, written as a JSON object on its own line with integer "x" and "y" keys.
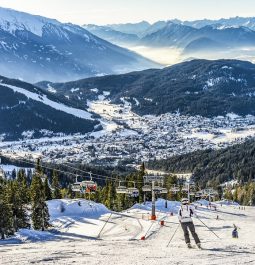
{"x": 198, "y": 87}
{"x": 214, "y": 166}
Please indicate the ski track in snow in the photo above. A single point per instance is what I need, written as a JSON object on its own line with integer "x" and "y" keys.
{"x": 119, "y": 241}
{"x": 58, "y": 106}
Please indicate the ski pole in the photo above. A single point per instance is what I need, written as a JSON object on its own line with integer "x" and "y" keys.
{"x": 208, "y": 228}
{"x": 104, "y": 226}
{"x": 152, "y": 223}
{"x": 173, "y": 235}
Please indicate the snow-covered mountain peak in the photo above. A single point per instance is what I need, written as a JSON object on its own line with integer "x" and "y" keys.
{"x": 11, "y": 20}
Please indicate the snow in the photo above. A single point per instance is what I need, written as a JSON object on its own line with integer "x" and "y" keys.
{"x": 226, "y": 135}
{"x": 11, "y": 20}
{"x": 9, "y": 168}
{"x": 232, "y": 116}
{"x": 137, "y": 103}
{"x": 74, "y": 238}
{"x": 75, "y": 89}
{"x": 58, "y": 106}
{"x": 108, "y": 113}
{"x": 51, "y": 89}
{"x": 75, "y": 208}
{"x": 94, "y": 90}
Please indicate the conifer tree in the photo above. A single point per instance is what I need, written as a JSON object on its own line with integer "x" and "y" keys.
{"x": 40, "y": 214}
{"x": 47, "y": 190}
{"x": 23, "y": 187}
{"x": 56, "y": 186}
{"x": 6, "y": 220}
{"x": 6, "y": 214}
{"x": 15, "y": 200}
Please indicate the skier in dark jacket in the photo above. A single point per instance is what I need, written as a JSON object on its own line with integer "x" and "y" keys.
{"x": 184, "y": 214}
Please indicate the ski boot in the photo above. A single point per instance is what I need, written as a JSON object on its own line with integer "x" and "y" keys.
{"x": 199, "y": 245}
{"x": 189, "y": 245}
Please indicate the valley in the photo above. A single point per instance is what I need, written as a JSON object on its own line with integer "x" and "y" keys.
{"x": 129, "y": 139}
{"x": 127, "y": 132}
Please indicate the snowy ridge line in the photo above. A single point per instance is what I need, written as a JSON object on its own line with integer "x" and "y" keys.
{"x": 12, "y": 20}
{"x": 58, "y": 106}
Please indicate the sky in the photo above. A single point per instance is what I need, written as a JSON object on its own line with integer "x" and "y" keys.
{"x": 121, "y": 11}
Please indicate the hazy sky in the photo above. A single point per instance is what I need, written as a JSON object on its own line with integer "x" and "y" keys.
{"x": 121, "y": 11}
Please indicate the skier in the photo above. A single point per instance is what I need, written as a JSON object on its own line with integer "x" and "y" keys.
{"x": 235, "y": 232}
{"x": 184, "y": 214}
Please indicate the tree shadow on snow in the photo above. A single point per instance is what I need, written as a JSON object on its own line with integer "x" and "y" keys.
{"x": 229, "y": 251}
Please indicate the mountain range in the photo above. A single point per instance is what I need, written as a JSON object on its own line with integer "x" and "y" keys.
{"x": 28, "y": 111}
{"x": 197, "y": 87}
{"x": 35, "y": 48}
{"x": 190, "y": 36}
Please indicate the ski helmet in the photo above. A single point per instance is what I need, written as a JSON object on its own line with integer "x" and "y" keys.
{"x": 185, "y": 201}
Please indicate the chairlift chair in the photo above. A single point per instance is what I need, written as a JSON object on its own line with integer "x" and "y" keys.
{"x": 185, "y": 189}
{"x": 133, "y": 192}
{"x": 76, "y": 187}
{"x": 89, "y": 186}
{"x": 121, "y": 189}
{"x": 175, "y": 189}
{"x": 198, "y": 194}
{"x": 164, "y": 191}
{"x": 146, "y": 188}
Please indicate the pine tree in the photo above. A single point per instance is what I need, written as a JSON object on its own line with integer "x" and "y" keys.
{"x": 23, "y": 187}
{"x": 47, "y": 190}
{"x": 19, "y": 210}
{"x": 6, "y": 214}
{"x": 56, "y": 186}
{"x": 6, "y": 220}
{"x": 40, "y": 214}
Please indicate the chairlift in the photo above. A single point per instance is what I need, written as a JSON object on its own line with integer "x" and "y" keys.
{"x": 175, "y": 189}
{"x": 121, "y": 189}
{"x": 89, "y": 186}
{"x": 164, "y": 191}
{"x": 157, "y": 187}
{"x": 133, "y": 192}
{"x": 198, "y": 194}
{"x": 76, "y": 187}
{"x": 146, "y": 188}
{"x": 185, "y": 189}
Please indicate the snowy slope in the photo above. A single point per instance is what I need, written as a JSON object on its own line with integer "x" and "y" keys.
{"x": 27, "y": 111}
{"x": 35, "y": 48}
{"x": 58, "y": 106}
{"x": 73, "y": 244}
{"x": 11, "y": 20}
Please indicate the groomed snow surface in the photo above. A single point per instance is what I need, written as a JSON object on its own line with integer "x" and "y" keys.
{"x": 82, "y": 235}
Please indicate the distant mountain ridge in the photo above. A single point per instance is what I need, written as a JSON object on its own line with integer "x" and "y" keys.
{"x": 35, "y": 48}
{"x": 198, "y": 87}
{"x": 191, "y": 36}
{"x": 28, "y": 111}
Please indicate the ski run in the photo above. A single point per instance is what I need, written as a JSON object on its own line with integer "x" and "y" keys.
{"x": 84, "y": 232}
